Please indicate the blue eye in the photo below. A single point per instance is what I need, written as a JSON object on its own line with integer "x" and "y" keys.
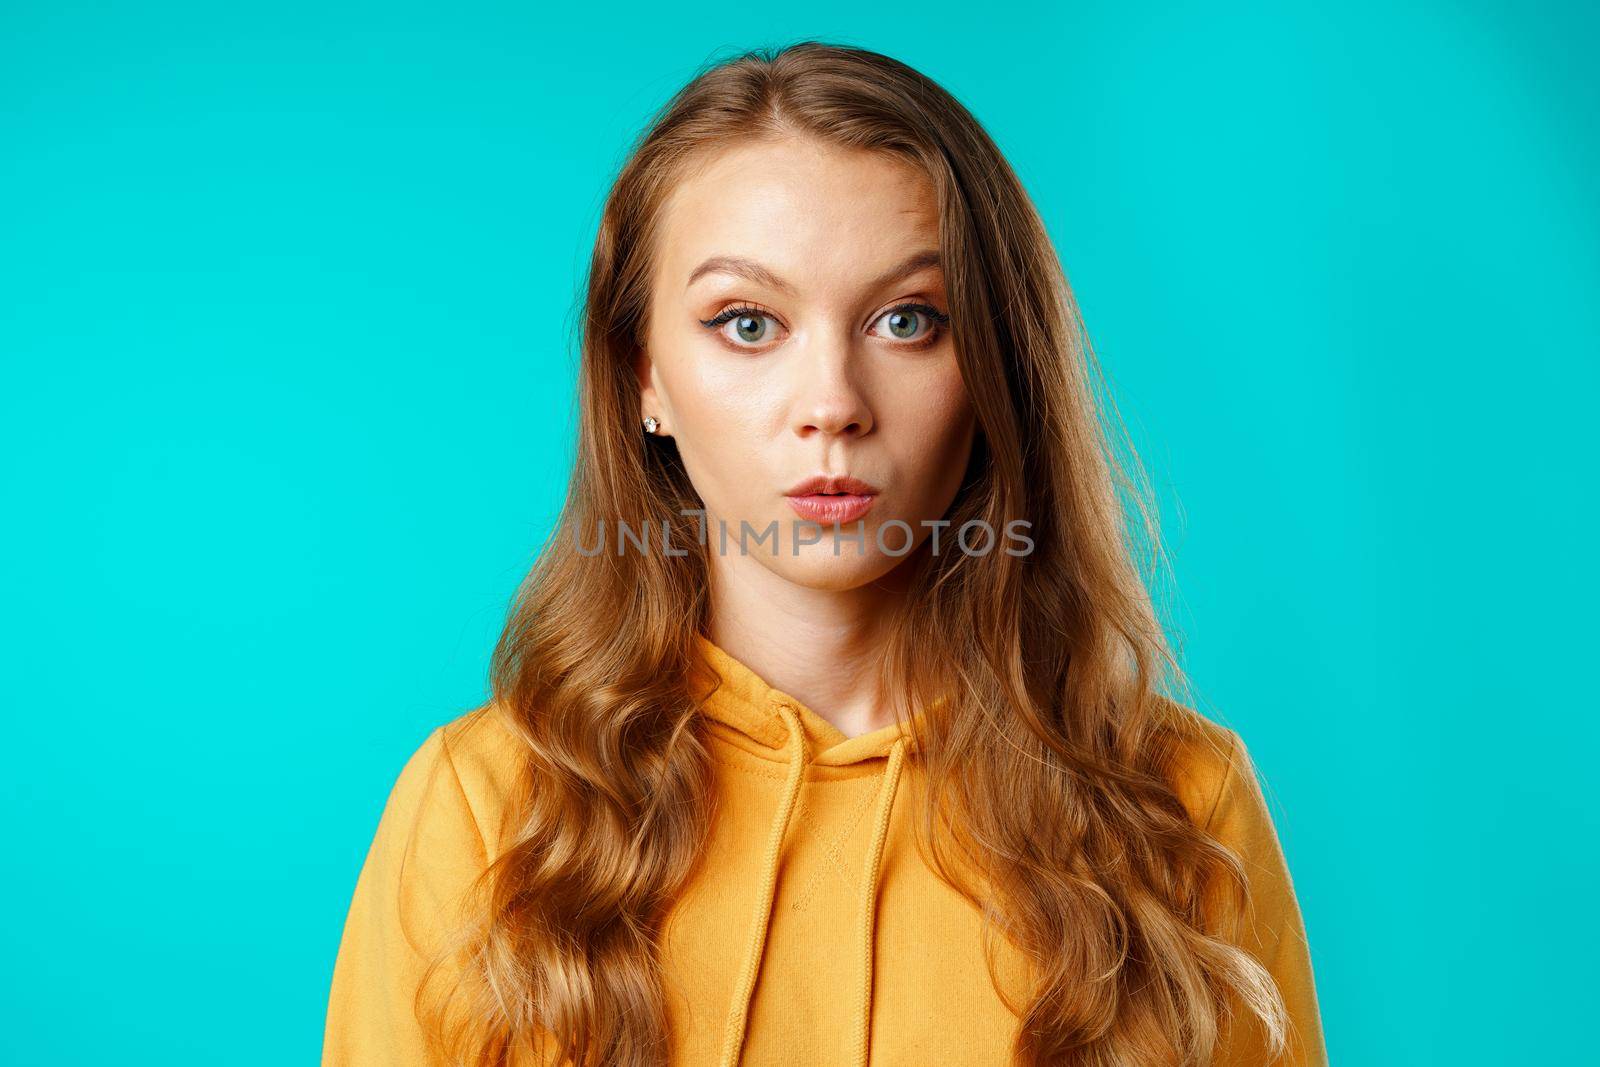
{"x": 905, "y": 319}
{"x": 749, "y": 324}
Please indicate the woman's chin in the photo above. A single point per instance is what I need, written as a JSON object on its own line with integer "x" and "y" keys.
{"x": 816, "y": 567}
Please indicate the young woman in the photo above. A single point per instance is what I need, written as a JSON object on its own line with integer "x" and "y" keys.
{"x": 833, "y": 725}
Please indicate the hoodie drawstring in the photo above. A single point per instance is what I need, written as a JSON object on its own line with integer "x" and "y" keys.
{"x": 733, "y": 1043}
{"x": 739, "y": 1015}
{"x": 869, "y": 906}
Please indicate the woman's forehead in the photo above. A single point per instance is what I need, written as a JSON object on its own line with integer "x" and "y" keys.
{"x": 788, "y": 215}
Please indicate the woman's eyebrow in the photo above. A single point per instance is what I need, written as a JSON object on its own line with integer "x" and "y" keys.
{"x": 744, "y": 268}
{"x": 749, "y": 268}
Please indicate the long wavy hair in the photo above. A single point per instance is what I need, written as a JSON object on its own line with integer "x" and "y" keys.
{"x": 1049, "y": 762}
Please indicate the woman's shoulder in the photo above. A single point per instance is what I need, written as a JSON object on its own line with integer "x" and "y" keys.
{"x": 1207, "y": 757}
{"x": 481, "y": 742}
{"x": 484, "y": 754}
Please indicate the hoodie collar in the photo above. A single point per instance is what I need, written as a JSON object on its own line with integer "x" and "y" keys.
{"x": 734, "y": 695}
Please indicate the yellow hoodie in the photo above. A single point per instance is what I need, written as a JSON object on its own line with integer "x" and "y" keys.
{"x": 815, "y": 934}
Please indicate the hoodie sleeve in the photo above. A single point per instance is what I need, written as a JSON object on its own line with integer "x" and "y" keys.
{"x": 1274, "y": 932}
{"x": 425, "y": 854}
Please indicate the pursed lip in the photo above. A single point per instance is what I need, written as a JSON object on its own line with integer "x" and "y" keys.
{"x": 833, "y": 483}
{"x": 832, "y": 498}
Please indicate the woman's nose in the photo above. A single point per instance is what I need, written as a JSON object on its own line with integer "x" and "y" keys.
{"x": 828, "y": 398}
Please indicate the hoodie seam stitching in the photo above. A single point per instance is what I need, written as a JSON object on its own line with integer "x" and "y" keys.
{"x": 832, "y": 849}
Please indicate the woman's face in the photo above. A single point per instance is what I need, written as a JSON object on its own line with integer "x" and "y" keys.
{"x": 830, "y": 356}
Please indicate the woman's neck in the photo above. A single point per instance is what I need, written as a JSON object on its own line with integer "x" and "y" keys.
{"x": 824, "y": 647}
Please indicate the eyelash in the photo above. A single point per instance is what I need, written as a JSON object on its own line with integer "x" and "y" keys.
{"x": 940, "y": 319}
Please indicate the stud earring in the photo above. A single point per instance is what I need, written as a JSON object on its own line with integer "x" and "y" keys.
{"x": 650, "y": 424}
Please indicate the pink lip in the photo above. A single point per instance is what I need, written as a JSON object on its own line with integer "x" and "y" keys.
{"x": 832, "y": 498}
{"x": 829, "y": 509}
{"x": 831, "y": 483}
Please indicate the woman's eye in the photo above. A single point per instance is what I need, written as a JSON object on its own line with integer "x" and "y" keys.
{"x": 744, "y": 326}
{"x": 912, "y": 322}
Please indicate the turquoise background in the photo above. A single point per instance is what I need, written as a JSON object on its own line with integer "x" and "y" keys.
{"x": 286, "y": 308}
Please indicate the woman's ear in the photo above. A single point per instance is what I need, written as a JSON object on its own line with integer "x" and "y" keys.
{"x": 649, "y": 396}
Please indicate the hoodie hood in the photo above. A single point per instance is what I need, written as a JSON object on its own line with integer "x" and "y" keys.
{"x": 772, "y": 724}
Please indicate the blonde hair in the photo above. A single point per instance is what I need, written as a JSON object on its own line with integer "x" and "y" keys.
{"x": 1049, "y": 760}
